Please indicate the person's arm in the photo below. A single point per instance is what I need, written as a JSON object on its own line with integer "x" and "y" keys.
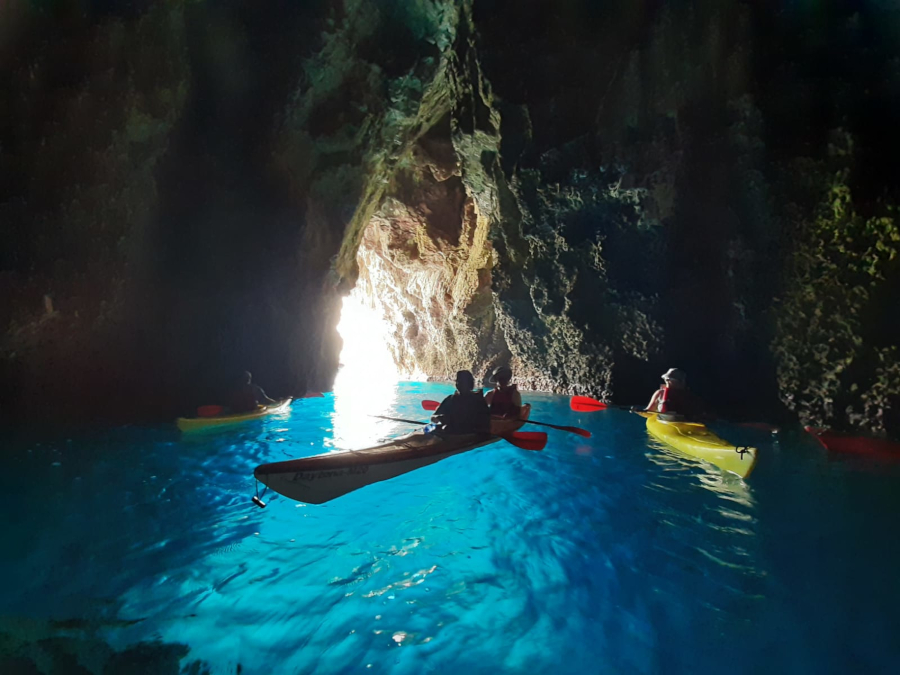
{"x": 488, "y": 397}
{"x": 653, "y": 401}
{"x": 261, "y": 397}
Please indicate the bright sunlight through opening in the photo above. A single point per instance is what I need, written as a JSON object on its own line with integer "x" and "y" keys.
{"x": 366, "y": 383}
{"x": 366, "y": 356}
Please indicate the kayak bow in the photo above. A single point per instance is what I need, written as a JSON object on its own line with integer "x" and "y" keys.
{"x": 875, "y": 448}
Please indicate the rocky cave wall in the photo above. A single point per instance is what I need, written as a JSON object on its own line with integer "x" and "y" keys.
{"x": 662, "y": 185}
{"x": 590, "y": 191}
{"x": 179, "y": 177}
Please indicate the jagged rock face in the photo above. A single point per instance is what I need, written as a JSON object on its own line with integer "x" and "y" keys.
{"x": 591, "y": 192}
{"x": 576, "y": 216}
{"x": 425, "y": 263}
{"x": 419, "y": 242}
{"x": 87, "y": 111}
{"x": 227, "y": 171}
{"x": 637, "y": 218}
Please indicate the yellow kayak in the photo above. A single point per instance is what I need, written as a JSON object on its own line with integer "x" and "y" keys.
{"x": 694, "y": 439}
{"x": 203, "y": 423}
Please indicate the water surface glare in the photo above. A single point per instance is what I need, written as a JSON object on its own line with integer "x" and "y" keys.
{"x": 608, "y": 555}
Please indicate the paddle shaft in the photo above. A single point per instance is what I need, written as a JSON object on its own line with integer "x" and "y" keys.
{"x": 519, "y": 439}
{"x": 587, "y": 404}
{"x": 573, "y": 430}
{"x": 400, "y": 419}
{"x": 433, "y": 405}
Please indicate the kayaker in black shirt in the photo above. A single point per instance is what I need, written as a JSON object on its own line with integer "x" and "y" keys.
{"x": 674, "y": 397}
{"x": 247, "y": 396}
{"x": 464, "y": 412}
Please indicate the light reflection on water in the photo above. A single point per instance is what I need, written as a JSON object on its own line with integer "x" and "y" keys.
{"x": 356, "y": 405}
{"x": 609, "y": 555}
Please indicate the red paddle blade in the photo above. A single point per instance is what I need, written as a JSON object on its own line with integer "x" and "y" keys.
{"x": 527, "y": 440}
{"x": 586, "y": 404}
{"x": 430, "y": 405}
{"x": 815, "y": 433}
{"x": 577, "y": 430}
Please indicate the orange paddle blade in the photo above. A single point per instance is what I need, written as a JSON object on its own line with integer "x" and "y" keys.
{"x": 573, "y": 430}
{"x": 430, "y": 405}
{"x": 587, "y": 404}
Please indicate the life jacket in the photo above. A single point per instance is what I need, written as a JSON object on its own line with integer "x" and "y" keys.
{"x": 673, "y": 401}
{"x": 502, "y": 402}
{"x": 662, "y": 403}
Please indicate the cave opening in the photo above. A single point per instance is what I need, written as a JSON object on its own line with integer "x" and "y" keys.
{"x": 368, "y": 371}
{"x": 366, "y": 355}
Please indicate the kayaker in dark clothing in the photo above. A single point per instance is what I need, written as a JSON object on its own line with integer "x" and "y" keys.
{"x": 504, "y": 400}
{"x": 464, "y": 412}
{"x": 674, "y": 397}
{"x": 248, "y": 396}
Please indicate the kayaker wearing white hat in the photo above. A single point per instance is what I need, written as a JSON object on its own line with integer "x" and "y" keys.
{"x": 674, "y": 397}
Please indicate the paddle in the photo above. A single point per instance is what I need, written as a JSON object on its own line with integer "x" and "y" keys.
{"x": 433, "y": 405}
{"x": 527, "y": 440}
{"x": 588, "y": 404}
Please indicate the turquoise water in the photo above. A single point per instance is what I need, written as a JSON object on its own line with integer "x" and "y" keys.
{"x": 603, "y": 556}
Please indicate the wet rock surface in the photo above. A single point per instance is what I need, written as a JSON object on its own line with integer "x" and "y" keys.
{"x": 590, "y": 193}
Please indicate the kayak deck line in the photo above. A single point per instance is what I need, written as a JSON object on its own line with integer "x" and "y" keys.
{"x": 696, "y": 438}
{"x": 383, "y": 454}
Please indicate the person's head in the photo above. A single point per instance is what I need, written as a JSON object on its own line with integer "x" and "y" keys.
{"x": 675, "y": 378}
{"x": 465, "y": 381}
{"x": 246, "y": 377}
{"x": 503, "y": 375}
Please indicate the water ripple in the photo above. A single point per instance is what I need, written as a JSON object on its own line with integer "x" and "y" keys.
{"x": 614, "y": 556}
